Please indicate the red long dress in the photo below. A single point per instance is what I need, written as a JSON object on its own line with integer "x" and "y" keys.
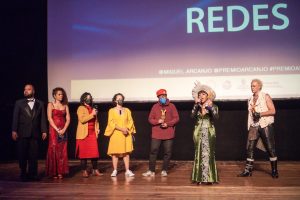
{"x": 57, "y": 155}
{"x": 88, "y": 147}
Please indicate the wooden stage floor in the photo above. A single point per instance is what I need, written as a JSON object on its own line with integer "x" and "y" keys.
{"x": 176, "y": 186}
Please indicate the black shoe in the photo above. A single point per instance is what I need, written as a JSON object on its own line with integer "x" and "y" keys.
{"x": 23, "y": 178}
{"x": 275, "y": 174}
{"x": 208, "y": 183}
{"x": 248, "y": 169}
{"x": 33, "y": 178}
{"x": 274, "y": 171}
{"x": 245, "y": 174}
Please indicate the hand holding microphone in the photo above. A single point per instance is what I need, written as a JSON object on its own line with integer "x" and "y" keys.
{"x": 208, "y": 105}
{"x": 95, "y": 110}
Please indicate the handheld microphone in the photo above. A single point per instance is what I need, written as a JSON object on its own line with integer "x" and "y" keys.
{"x": 95, "y": 107}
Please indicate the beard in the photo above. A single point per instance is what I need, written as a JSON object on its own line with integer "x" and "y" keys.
{"x": 28, "y": 95}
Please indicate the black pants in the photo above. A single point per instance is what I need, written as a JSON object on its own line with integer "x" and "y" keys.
{"x": 28, "y": 152}
{"x": 155, "y": 144}
{"x": 267, "y": 136}
{"x": 84, "y": 163}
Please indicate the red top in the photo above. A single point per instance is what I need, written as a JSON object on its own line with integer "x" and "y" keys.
{"x": 172, "y": 118}
{"x": 91, "y": 123}
{"x": 88, "y": 147}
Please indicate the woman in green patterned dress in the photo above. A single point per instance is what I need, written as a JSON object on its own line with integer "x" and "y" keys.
{"x": 204, "y": 112}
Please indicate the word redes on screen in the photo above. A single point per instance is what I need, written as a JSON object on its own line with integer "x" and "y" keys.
{"x": 196, "y": 16}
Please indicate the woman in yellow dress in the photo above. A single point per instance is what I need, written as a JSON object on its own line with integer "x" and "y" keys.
{"x": 120, "y": 128}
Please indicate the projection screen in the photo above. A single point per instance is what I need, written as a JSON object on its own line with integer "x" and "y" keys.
{"x": 137, "y": 47}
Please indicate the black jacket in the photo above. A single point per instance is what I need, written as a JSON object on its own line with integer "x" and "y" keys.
{"x": 27, "y": 122}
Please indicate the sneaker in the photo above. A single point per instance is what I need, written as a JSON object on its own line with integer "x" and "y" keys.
{"x": 114, "y": 173}
{"x": 129, "y": 173}
{"x": 149, "y": 173}
{"x": 164, "y": 173}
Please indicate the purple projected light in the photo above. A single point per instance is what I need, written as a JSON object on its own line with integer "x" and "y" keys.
{"x": 150, "y": 42}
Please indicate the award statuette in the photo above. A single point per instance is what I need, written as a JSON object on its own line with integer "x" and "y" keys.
{"x": 163, "y": 116}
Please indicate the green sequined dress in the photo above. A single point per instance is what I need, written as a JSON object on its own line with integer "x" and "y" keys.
{"x": 204, "y": 168}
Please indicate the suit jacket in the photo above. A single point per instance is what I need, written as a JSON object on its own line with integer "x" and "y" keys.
{"x": 27, "y": 122}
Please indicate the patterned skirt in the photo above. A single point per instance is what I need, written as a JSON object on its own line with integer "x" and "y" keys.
{"x": 204, "y": 169}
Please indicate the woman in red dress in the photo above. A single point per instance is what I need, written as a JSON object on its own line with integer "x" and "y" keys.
{"x": 59, "y": 120}
{"x": 87, "y": 134}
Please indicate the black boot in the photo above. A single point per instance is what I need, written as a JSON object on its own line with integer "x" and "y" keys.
{"x": 248, "y": 169}
{"x": 274, "y": 172}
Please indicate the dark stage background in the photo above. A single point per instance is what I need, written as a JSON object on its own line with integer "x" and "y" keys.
{"x": 24, "y": 60}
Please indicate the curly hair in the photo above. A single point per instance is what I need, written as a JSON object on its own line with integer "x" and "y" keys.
{"x": 65, "y": 98}
{"x": 115, "y": 98}
{"x": 83, "y": 97}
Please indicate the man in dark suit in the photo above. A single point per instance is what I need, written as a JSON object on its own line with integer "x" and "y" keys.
{"x": 29, "y": 122}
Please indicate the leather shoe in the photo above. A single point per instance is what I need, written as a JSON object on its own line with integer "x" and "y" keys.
{"x": 96, "y": 172}
{"x": 33, "y": 178}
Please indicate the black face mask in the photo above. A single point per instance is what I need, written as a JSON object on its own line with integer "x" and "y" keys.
{"x": 120, "y": 102}
{"x": 88, "y": 102}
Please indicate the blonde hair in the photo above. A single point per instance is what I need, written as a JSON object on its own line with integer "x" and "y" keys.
{"x": 258, "y": 81}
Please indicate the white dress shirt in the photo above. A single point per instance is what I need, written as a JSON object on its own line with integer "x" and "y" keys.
{"x": 31, "y": 103}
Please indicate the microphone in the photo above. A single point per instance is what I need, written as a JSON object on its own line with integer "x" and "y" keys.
{"x": 95, "y": 107}
{"x": 120, "y": 112}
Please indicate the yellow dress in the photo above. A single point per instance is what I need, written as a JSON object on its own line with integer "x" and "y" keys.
{"x": 118, "y": 142}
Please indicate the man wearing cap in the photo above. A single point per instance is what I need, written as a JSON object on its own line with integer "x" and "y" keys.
{"x": 163, "y": 117}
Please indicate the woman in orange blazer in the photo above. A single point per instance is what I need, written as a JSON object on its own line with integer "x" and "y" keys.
{"x": 87, "y": 134}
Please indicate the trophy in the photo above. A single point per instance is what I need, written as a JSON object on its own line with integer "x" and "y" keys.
{"x": 163, "y": 116}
